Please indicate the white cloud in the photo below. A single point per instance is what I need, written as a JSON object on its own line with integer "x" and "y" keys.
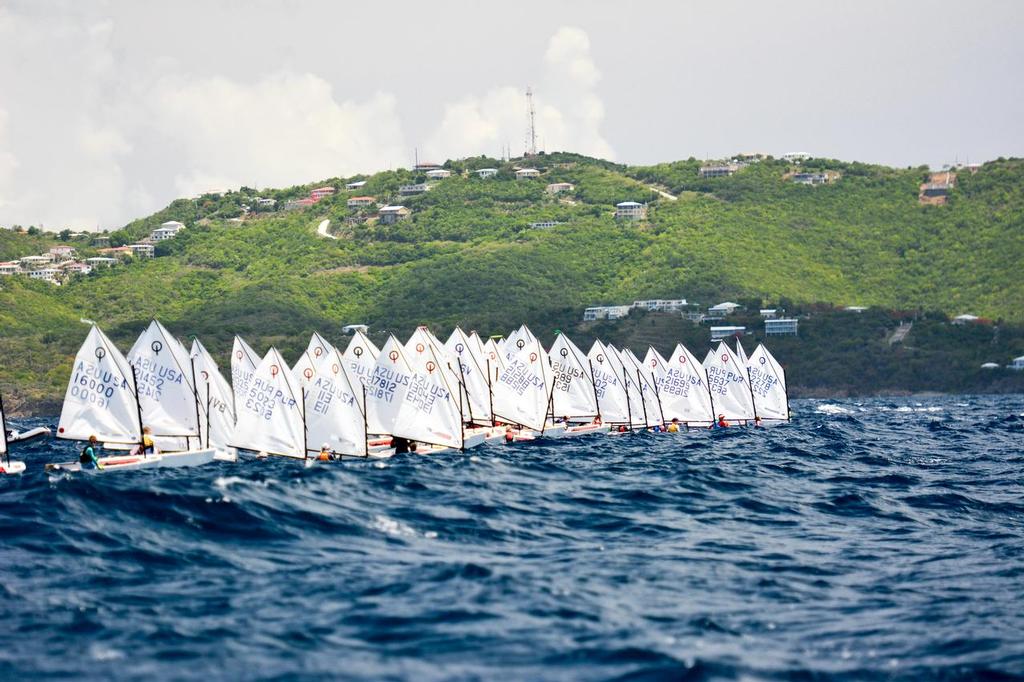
{"x": 8, "y": 163}
{"x": 569, "y": 112}
{"x": 283, "y": 129}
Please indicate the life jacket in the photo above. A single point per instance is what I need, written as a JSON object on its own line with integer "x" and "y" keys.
{"x": 86, "y": 457}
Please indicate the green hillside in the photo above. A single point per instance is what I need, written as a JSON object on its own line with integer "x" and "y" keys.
{"x": 467, "y": 255}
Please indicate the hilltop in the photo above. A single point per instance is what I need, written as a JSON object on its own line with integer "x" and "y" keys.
{"x": 467, "y": 254}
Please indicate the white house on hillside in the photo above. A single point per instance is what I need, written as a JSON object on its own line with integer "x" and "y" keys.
{"x": 630, "y": 210}
{"x": 487, "y": 172}
{"x": 1017, "y": 363}
{"x": 438, "y": 174}
{"x": 556, "y": 187}
{"x": 389, "y": 215}
{"x": 524, "y": 173}
{"x": 605, "y": 312}
{"x": 167, "y": 230}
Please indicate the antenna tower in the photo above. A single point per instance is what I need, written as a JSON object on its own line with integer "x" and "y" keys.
{"x": 531, "y": 149}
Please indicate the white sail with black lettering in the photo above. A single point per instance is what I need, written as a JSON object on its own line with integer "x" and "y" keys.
{"x": 729, "y": 385}
{"x": 472, "y": 371}
{"x": 611, "y": 393}
{"x": 334, "y": 416}
{"x": 768, "y": 384}
{"x": 387, "y": 387}
{"x": 100, "y": 400}
{"x": 243, "y": 366}
{"x": 645, "y": 387}
{"x": 166, "y": 392}
{"x": 361, "y": 357}
{"x": 683, "y": 389}
{"x": 632, "y": 385}
{"x": 572, "y": 393}
{"x": 216, "y": 400}
{"x": 304, "y": 369}
{"x": 522, "y": 390}
{"x": 430, "y": 412}
{"x": 269, "y": 416}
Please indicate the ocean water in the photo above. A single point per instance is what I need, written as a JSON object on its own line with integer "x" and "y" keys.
{"x": 878, "y": 539}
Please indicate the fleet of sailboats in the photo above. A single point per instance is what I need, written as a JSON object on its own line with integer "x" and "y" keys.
{"x": 166, "y": 405}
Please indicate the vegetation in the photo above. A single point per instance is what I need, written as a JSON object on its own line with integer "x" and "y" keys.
{"x": 468, "y": 256}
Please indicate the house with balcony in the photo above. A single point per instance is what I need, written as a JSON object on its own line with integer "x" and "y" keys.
{"x": 727, "y": 332}
{"x": 413, "y": 189}
{"x": 389, "y": 215}
{"x": 486, "y": 172}
{"x": 666, "y": 305}
{"x": 360, "y": 202}
{"x": 142, "y": 250}
{"x": 781, "y": 327}
{"x": 630, "y": 210}
{"x": 355, "y": 185}
{"x": 297, "y": 204}
{"x": 557, "y": 187}
{"x": 321, "y": 192}
{"x": 718, "y": 170}
{"x": 527, "y": 173}
{"x": 50, "y": 275}
{"x": 101, "y": 261}
{"x": 11, "y": 267}
{"x": 62, "y": 253}
{"x": 168, "y": 230}
{"x": 605, "y": 312}
{"x": 36, "y": 262}
{"x": 438, "y": 174}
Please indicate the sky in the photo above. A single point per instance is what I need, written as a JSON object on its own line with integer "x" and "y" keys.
{"x": 111, "y": 109}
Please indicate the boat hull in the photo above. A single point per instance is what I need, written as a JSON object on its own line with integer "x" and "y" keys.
{"x": 12, "y": 468}
{"x": 37, "y": 432}
{"x": 114, "y": 463}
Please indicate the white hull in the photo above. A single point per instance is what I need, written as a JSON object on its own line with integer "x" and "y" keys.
{"x": 12, "y": 468}
{"x": 189, "y": 458}
{"x": 583, "y": 430}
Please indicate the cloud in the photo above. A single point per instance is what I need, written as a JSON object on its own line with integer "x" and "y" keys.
{"x": 8, "y": 163}
{"x": 569, "y": 112}
{"x": 285, "y": 128}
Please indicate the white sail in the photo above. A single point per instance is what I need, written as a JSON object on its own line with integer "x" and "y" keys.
{"x": 269, "y": 416}
{"x": 572, "y": 392}
{"x": 611, "y": 394}
{"x": 522, "y": 390}
{"x": 166, "y": 392}
{"x": 729, "y": 385}
{"x": 468, "y": 352}
{"x": 629, "y": 379}
{"x": 361, "y": 357}
{"x": 431, "y": 412}
{"x": 740, "y": 353}
{"x": 100, "y": 400}
{"x": 304, "y": 369}
{"x": 216, "y": 399}
{"x": 517, "y": 341}
{"x": 243, "y": 366}
{"x": 3, "y": 429}
{"x": 494, "y": 359}
{"x": 334, "y": 414}
{"x": 645, "y": 383}
{"x": 319, "y": 347}
{"x": 768, "y": 383}
{"x": 387, "y": 387}
{"x": 683, "y": 389}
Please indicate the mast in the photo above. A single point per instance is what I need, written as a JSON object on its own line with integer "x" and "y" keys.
{"x": 629, "y": 409}
{"x": 593, "y": 382}
{"x": 462, "y": 424}
{"x": 753, "y": 403}
{"x": 305, "y": 429}
{"x": 195, "y": 396}
{"x": 490, "y": 393}
{"x": 657, "y": 395}
{"x": 640, "y": 389}
{"x": 3, "y": 431}
{"x": 707, "y": 382}
{"x": 138, "y": 408}
{"x": 366, "y": 427}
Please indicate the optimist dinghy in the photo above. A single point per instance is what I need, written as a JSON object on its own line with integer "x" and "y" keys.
{"x": 7, "y": 465}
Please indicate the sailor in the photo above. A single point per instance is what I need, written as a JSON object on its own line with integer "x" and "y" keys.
{"x": 757, "y": 423}
{"x": 510, "y": 435}
{"x": 674, "y": 426}
{"x": 325, "y": 453}
{"x": 402, "y": 445}
{"x": 722, "y": 423}
{"x": 89, "y": 458}
{"x": 146, "y": 447}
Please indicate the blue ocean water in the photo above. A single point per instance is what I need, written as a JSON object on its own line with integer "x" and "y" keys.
{"x": 880, "y": 539}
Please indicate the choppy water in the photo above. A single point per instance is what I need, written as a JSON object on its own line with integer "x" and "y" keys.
{"x": 874, "y": 540}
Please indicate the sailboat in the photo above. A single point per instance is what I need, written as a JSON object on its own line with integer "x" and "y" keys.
{"x": 682, "y": 386}
{"x": 768, "y": 385}
{"x": 573, "y": 394}
{"x": 729, "y": 386}
{"x": 103, "y": 400}
{"x": 523, "y": 389}
{"x": 7, "y": 465}
{"x": 334, "y": 408}
{"x": 216, "y": 400}
{"x": 612, "y": 400}
{"x": 270, "y": 417}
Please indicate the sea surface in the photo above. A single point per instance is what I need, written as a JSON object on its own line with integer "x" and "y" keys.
{"x": 867, "y": 540}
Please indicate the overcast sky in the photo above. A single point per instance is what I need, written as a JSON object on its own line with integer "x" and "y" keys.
{"x": 108, "y": 110}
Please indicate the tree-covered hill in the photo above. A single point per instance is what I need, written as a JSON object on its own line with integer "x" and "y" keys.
{"x": 468, "y": 255}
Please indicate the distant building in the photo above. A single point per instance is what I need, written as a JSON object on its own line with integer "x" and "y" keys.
{"x": 101, "y": 261}
{"x": 796, "y": 156}
{"x": 360, "y": 202}
{"x": 389, "y": 215}
{"x": 605, "y": 312}
{"x": 781, "y": 327}
{"x": 101, "y": 240}
{"x": 265, "y": 203}
{"x": 526, "y": 173}
{"x": 353, "y": 328}
{"x": 1017, "y": 363}
{"x": 769, "y": 313}
{"x": 427, "y": 166}
{"x": 630, "y": 210}
{"x": 355, "y": 185}
{"x": 718, "y": 170}
{"x": 36, "y": 262}
{"x": 965, "y": 319}
{"x": 295, "y": 204}
{"x": 544, "y": 224}
{"x": 486, "y": 172}
{"x": 62, "y": 252}
{"x": 719, "y": 333}
{"x": 78, "y": 268}
{"x": 167, "y": 230}
{"x": 556, "y": 187}
{"x": 11, "y": 267}
{"x": 661, "y": 304}
{"x": 855, "y": 308}
{"x": 439, "y": 174}
{"x": 417, "y": 188}
{"x": 717, "y": 312}
{"x": 823, "y": 178}
{"x": 321, "y": 192}
{"x": 116, "y": 252}
{"x": 142, "y": 250}
{"x": 45, "y": 274}
{"x": 935, "y": 192}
